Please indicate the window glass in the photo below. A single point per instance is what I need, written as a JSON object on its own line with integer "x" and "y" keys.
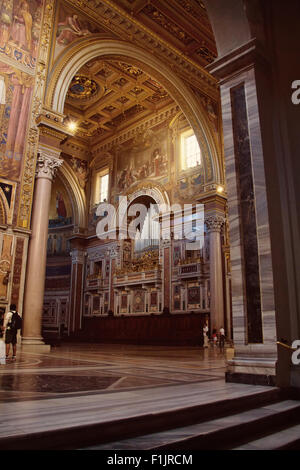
{"x": 103, "y": 188}
{"x": 191, "y": 154}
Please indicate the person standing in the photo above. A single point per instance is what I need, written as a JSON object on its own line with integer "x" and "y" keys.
{"x": 11, "y": 328}
{"x": 205, "y": 336}
{"x": 222, "y": 337}
{"x": 2, "y": 345}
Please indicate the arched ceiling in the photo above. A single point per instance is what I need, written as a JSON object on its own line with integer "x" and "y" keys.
{"x": 107, "y": 96}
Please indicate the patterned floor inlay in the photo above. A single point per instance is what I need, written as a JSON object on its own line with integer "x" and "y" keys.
{"x": 54, "y": 383}
{"x": 96, "y": 368}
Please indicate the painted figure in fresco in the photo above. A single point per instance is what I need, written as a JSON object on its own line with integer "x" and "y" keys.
{"x": 69, "y": 30}
{"x": 14, "y": 118}
{"x": 6, "y": 18}
{"x": 81, "y": 171}
{"x": 49, "y": 245}
{"x": 159, "y": 162}
{"x": 126, "y": 178}
{"x": 36, "y": 29}
{"x": 22, "y": 92}
{"x": 21, "y": 27}
{"x": 60, "y": 206}
{"x": 82, "y": 174}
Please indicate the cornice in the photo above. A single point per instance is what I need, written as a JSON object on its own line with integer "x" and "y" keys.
{"x": 118, "y": 21}
{"x": 242, "y": 58}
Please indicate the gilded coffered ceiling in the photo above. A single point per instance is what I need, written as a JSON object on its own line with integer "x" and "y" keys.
{"x": 106, "y": 96}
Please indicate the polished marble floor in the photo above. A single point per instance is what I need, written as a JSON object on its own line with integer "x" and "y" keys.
{"x": 74, "y": 369}
{"x": 79, "y": 386}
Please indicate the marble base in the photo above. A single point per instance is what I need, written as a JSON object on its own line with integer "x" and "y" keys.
{"x": 35, "y": 345}
{"x": 250, "y": 379}
{"x": 41, "y": 348}
{"x": 229, "y": 354}
{"x": 251, "y": 370}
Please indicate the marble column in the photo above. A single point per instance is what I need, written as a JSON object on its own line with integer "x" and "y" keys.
{"x": 48, "y": 162}
{"x": 214, "y": 225}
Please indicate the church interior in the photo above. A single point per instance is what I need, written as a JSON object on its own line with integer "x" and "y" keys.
{"x": 148, "y": 202}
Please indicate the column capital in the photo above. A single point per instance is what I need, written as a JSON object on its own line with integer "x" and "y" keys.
{"x": 214, "y": 223}
{"x": 78, "y": 256}
{"x": 48, "y": 162}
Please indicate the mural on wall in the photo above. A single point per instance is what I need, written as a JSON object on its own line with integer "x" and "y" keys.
{"x": 15, "y": 94}
{"x": 59, "y": 243}
{"x": 80, "y": 168}
{"x": 139, "y": 162}
{"x": 60, "y": 206}
{"x": 60, "y": 219}
{"x": 188, "y": 186}
{"x": 20, "y": 24}
{"x": 71, "y": 26}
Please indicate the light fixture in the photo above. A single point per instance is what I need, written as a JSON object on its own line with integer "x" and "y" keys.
{"x": 72, "y": 126}
{"x": 220, "y": 189}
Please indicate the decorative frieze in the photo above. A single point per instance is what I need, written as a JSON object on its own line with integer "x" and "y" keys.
{"x": 37, "y": 102}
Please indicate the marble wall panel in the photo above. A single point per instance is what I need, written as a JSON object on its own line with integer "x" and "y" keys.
{"x": 246, "y": 79}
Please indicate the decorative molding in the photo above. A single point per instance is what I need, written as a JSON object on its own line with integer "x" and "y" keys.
{"x": 28, "y": 179}
{"x": 27, "y": 183}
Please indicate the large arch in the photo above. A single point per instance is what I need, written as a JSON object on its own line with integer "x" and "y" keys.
{"x": 77, "y": 195}
{"x": 74, "y": 57}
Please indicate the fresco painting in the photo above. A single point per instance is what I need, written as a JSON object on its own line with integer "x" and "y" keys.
{"x": 70, "y": 27}
{"x": 188, "y": 186}
{"x": 20, "y": 25}
{"x": 15, "y": 93}
{"x": 139, "y": 162}
{"x": 60, "y": 206}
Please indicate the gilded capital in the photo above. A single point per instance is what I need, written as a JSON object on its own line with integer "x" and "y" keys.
{"x": 214, "y": 223}
{"x": 47, "y": 164}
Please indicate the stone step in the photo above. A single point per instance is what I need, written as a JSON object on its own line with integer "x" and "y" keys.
{"x": 283, "y": 440}
{"x": 166, "y": 415}
{"x": 219, "y": 433}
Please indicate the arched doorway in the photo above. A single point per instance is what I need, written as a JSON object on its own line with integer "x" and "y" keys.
{"x": 257, "y": 333}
